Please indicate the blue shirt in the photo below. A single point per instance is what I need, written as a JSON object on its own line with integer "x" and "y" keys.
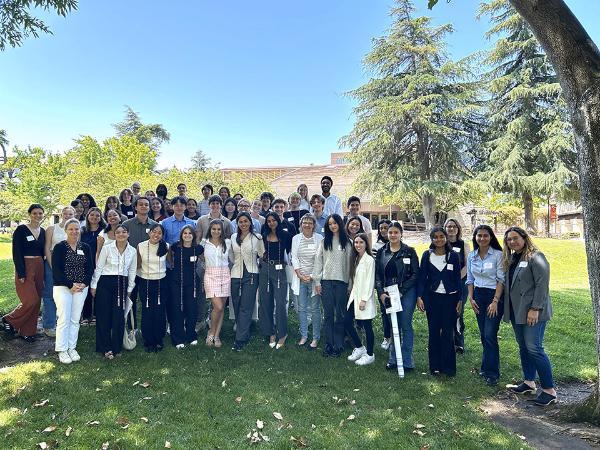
{"x": 320, "y": 225}
{"x": 255, "y": 225}
{"x": 173, "y": 227}
{"x": 486, "y": 272}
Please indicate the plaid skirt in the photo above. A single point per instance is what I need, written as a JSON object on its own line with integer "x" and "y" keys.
{"x": 217, "y": 282}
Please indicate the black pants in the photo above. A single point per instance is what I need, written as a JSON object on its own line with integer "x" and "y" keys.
{"x": 459, "y": 327}
{"x": 367, "y": 325}
{"x": 334, "y": 294}
{"x": 182, "y": 310}
{"x": 441, "y": 318}
{"x": 153, "y": 310}
{"x": 243, "y": 297}
{"x": 273, "y": 296}
{"x": 386, "y": 321}
{"x": 111, "y": 295}
{"x": 134, "y": 300}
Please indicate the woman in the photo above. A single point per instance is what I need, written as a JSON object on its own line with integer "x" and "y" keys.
{"x": 382, "y": 239}
{"x": 230, "y": 209}
{"x": 126, "y": 206}
{"x": 149, "y": 195}
{"x": 72, "y": 270}
{"x": 382, "y": 234}
{"x": 217, "y": 278}
{"x": 112, "y": 284}
{"x": 157, "y": 210}
{"x": 153, "y": 291}
{"x": 438, "y": 290}
{"x": 255, "y": 212}
{"x": 185, "y": 288}
{"x": 361, "y": 304}
{"x": 112, "y": 202}
{"x": 28, "y": 245}
{"x": 485, "y": 283}
{"x": 237, "y": 197}
{"x": 396, "y": 264}
{"x": 304, "y": 252}
{"x": 87, "y": 201}
{"x": 332, "y": 268}
{"x": 191, "y": 211}
{"x": 528, "y": 307}
{"x": 354, "y": 227}
{"x": 295, "y": 212}
{"x": 461, "y": 247}
{"x": 246, "y": 246}
{"x": 79, "y": 211}
{"x": 303, "y": 191}
{"x": 224, "y": 193}
{"x": 94, "y": 224}
{"x": 107, "y": 235}
{"x": 273, "y": 282}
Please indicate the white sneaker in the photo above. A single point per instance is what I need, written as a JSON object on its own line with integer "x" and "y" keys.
{"x": 180, "y": 346}
{"x": 385, "y": 344}
{"x": 365, "y": 359}
{"x": 64, "y": 358}
{"x": 194, "y": 343}
{"x": 73, "y": 355}
{"x": 357, "y": 353}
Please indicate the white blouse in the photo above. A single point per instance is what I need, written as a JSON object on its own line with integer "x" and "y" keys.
{"x": 246, "y": 255}
{"x": 214, "y": 256}
{"x": 112, "y": 262}
{"x": 153, "y": 267}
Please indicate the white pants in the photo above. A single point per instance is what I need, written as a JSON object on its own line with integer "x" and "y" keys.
{"x": 68, "y": 312}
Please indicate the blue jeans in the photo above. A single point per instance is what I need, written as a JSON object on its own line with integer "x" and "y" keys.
{"x": 306, "y": 303}
{"x": 48, "y": 305}
{"x": 488, "y": 332}
{"x": 405, "y": 318}
{"x": 533, "y": 356}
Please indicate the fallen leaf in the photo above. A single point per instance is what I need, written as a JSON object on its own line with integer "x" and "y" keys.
{"x": 106, "y": 446}
{"x": 300, "y": 442}
{"x": 48, "y": 444}
{"x": 522, "y": 437}
{"x": 144, "y": 419}
{"x": 136, "y": 383}
{"x": 425, "y": 447}
{"x": 351, "y": 417}
{"x": 40, "y": 404}
{"x": 93, "y": 423}
{"x": 238, "y": 399}
{"x": 313, "y": 426}
{"x": 278, "y": 416}
{"x": 430, "y": 405}
{"x": 145, "y": 384}
{"x": 49, "y": 429}
{"x": 419, "y": 433}
{"x": 224, "y": 383}
{"x": 418, "y": 426}
{"x": 356, "y": 390}
{"x": 353, "y": 402}
{"x": 260, "y": 424}
{"x": 98, "y": 389}
{"x": 68, "y": 431}
{"x": 147, "y": 398}
{"x": 167, "y": 444}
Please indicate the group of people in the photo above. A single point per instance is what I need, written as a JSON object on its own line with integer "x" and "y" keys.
{"x": 172, "y": 257}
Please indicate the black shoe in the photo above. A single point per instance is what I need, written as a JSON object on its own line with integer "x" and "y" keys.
{"x": 522, "y": 389}
{"x": 28, "y": 339}
{"x": 545, "y": 399}
{"x": 409, "y": 369}
{"x": 391, "y": 366}
{"x": 490, "y": 381}
{"x": 460, "y": 350}
{"x": 435, "y": 373}
{"x": 327, "y": 351}
{"x": 237, "y": 346}
{"x": 7, "y": 327}
{"x": 149, "y": 349}
{"x": 159, "y": 348}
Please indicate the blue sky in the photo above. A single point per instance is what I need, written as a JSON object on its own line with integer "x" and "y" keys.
{"x": 250, "y": 83}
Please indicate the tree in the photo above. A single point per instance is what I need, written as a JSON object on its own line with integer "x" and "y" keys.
{"x": 3, "y": 144}
{"x": 17, "y": 23}
{"x": 200, "y": 161}
{"x": 531, "y": 148}
{"x": 413, "y": 119}
{"x": 576, "y": 60}
{"x": 152, "y": 135}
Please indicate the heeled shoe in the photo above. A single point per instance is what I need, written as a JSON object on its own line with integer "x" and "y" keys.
{"x": 281, "y": 343}
{"x": 272, "y": 342}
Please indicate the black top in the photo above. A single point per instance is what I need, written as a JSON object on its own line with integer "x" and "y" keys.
{"x": 296, "y": 216}
{"x": 275, "y": 251}
{"x": 70, "y": 266}
{"x": 127, "y": 211}
{"x": 460, "y": 244}
{"x": 289, "y": 227}
{"x": 391, "y": 272}
{"x": 185, "y": 261}
{"x": 91, "y": 239}
{"x": 24, "y": 244}
{"x": 401, "y": 268}
{"x": 194, "y": 216}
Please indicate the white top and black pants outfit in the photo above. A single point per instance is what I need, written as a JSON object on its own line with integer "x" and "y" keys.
{"x": 154, "y": 293}
{"x": 363, "y": 289}
{"x": 114, "y": 279}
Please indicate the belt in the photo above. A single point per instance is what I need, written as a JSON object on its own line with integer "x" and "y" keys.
{"x": 274, "y": 262}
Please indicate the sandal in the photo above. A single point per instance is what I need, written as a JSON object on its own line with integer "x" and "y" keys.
{"x": 314, "y": 343}
{"x": 109, "y": 355}
{"x": 210, "y": 340}
{"x": 302, "y": 342}
{"x": 218, "y": 342}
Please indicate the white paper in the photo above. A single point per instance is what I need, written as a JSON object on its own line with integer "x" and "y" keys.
{"x": 395, "y": 297}
{"x": 397, "y": 345}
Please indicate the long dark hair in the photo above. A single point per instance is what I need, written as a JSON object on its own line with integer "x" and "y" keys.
{"x": 343, "y": 237}
{"x": 108, "y": 225}
{"x": 101, "y": 224}
{"x": 493, "y": 239}
{"x": 92, "y": 201}
{"x": 238, "y": 238}
{"x": 162, "y": 244}
{"x": 439, "y": 229}
{"x": 109, "y": 198}
{"x": 360, "y": 230}
{"x": 265, "y": 230}
{"x": 218, "y": 222}
{"x": 379, "y": 236}
{"x": 191, "y": 229}
{"x": 162, "y": 207}
{"x": 224, "y": 211}
{"x": 163, "y": 191}
{"x": 354, "y": 260}
{"x": 74, "y": 204}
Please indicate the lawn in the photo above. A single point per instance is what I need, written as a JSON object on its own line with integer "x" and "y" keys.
{"x": 202, "y": 398}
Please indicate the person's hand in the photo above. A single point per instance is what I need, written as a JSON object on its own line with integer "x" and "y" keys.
{"x": 420, "y": 304}
{"x": 362, "y": 305}
{"x": 492, "y": 309}
{"x": 318, "y": 290}
{"x": 382, "y": 297}
{"x": 22, "y": 280}
{"x": 74, "y": 289}
{"x": 93, "y": 292}
{"x": 532, "y": 317}
{"x": 459, "y": 307}
{"x": 474, "y": 305}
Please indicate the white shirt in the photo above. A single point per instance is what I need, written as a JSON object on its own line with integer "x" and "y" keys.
{"x": 153, "y": 267}
{"x": 333, "y": 205}
{"x": 112, "y": 262}
{"x": 107, "y": 239}
{"x": 246, "y": 255}
{"x": 214, "y": 256}
{"x": 439, "y": 261}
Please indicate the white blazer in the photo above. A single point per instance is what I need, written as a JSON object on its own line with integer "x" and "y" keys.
{"x": 363, "y": 288}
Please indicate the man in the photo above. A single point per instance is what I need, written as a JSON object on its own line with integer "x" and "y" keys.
{"x": 177, "y": 221}
{"x": 333, "y": 204}
{"x": 279, "y": 207}
{"x": 136, "y": 188}
{"x": 317, "y": 202}
{"x": 215, "y": 203}
{"x": 266, "y": 198}
{"x": 182, "y": 190}
{"x": 354, "y": 211}
{"x": 207, "y": 191}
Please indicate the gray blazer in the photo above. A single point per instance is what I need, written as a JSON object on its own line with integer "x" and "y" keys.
{"x": 529, "y": 289}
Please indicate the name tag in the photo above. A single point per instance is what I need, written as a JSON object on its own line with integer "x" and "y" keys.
{"x": 322, "y": 230}
{"x": 311, "y": 247}
{"x": 523, "y": 263}
{"x": 340, "y": 248}
{"x": 130, "y": 213}
{"x": 290, "y": 219}
{"x": 278, "y": 266}
{"x": 147, "y": 230}
{"x": 406, "y": 260}
{"x": 193, "y": 258}
{"x": 456, "y": 249}
{"x": 30, "y": 238}
{"x": 488, "y": 265}
{"x": 450, "y": 266}
{"x": 80, "y": 252}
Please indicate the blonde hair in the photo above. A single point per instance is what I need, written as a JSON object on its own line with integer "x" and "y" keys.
{"x": 528, "y": 249}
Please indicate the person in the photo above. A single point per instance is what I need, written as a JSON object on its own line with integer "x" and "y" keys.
{"x": 354, "y": 228}
{"x": 246, "y": 246}
{"x": 215, "y": 203}
{"x": 54, "y": 234}
{"x": 244, "y": 206}
{"x": 157, "y": 210}
{"x": 361, "y": 303}
{"x": 149, "y": 195}
{"x": 72, "y": 270}
{"x": 273, "y": 282}
{"x": 224, "y": 193}
{"x": 191, "y": 211}
{"x": 87, "y": 201}
{"x": 528, "y": 307}
{"x": 295, "y": 212}
{"x": 266, "y": 198}
{"x": 317, "y": 202}
{"x": 207, "y": 191}
{"x": 230, "y": 209}
{"x": 153, "y": 290}
{"x": 279, "y": 207}
{"x": 256, "y": 209}
{"x": 182, "y": 190}
{"x": 136, "y": 189}
{"x": 161, "y": 192}
{"x": 173, "y": 225}
{"x": 112, "y": 202}
{"x": 28, "y": 243}
{"x": 217, "y": 278}
{"x": 397, "y": 264}
{"x": 331, "y": 271}
{"x": 353, "y": 204}
{"x": 454, "y": 230}
{"x": 333, "y": 204}
{"x": 304, "y": 201}
{"x": 238, "y": 196}
{"x": 185, "y": 288}
{"x": 438, "y": 291}
{"x": 94, "y": 224}
{"x": 79, "y": 211}
{"x": 485, "y": 283}
{"x": 382, "y": 239}
{"x": 127, "y": 206}
{"x": 112, "y": 283}
{"x": 382, "y": 234}
{"x": 304, "y": 252}
{"x": 107, "y": 235}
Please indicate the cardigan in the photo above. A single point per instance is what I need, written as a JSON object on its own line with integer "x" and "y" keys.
{"x": 296, "y": 240}
{"x": 363, "y": 288}
{"x": 61, "y": 275}
{"x": 429, "y": 276}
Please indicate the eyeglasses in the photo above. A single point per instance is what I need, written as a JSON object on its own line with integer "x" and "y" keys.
{"x": 243, "y": 206}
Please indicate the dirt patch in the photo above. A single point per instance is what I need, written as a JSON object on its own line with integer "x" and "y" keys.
{"x": 15, "y": 350}
{"x": 543, "y": 428}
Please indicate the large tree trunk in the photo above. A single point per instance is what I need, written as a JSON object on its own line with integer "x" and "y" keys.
{"x": 528, "y": 208}
{"x": 576, "y": 60}
{"x": 428, "y": 210}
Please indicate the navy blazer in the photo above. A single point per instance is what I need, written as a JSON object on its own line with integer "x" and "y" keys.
{"x": 430, "y": 277}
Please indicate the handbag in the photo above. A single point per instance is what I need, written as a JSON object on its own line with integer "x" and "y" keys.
{"x": 129, "y": 341}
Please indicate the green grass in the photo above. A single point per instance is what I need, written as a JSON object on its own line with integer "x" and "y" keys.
{"x": 191, "y": 399}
